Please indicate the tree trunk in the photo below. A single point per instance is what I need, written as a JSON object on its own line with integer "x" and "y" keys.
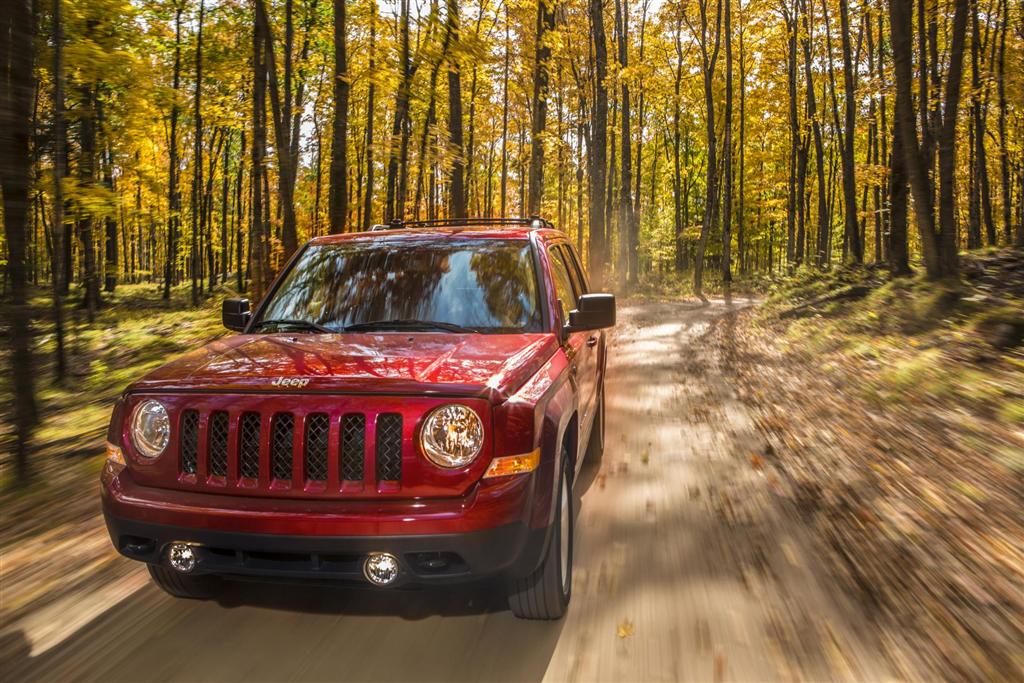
{"x": 17, "y": 91}
{"x": 197, "y": 158}
{"x": 458, "y": 187}
{"x": 504, "y": 121}
{"x": 899, "y": 263}
{"x": 338, "y": 178}
{"x": 792, "y": 255}
{"x": 371, "y": 92}
{"x": 709, "y": 223}
{"x": 599, "y": 145}
{"x": 173, "y": 198}
{"x": 852, "y": 233}
{"x": 824, "y": 237}
{"x": 59, "y": 232}
{"x": 257, "y": 239}
{"x": 727, "y": 154}
{"x": 625, "y": 186}
{"x": 1004, "y": 153}
{"x": 398, "y": 154}
{"x": 938, "y": 246}
{"x": 86, "y": 179}
{"x": 545, "y": 24}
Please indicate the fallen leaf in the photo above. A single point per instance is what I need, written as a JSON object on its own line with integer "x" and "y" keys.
{"x": 719, "y": 667}
{"x": 625, "y": 629}
{"x": 757, "y": 462}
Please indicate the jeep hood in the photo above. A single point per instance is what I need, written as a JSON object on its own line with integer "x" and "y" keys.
{"x": 488, "y": 365}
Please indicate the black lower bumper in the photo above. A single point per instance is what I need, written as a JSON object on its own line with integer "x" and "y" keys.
{"x": 513, "y": 550}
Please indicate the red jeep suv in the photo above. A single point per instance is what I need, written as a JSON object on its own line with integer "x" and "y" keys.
{"x": 407, "y": 406}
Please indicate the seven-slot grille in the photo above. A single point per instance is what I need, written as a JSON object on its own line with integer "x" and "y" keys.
{"x": 247, "y": 430}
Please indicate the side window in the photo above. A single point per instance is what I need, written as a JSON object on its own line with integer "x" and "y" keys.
{"x": 576, "y": 268}
{"x": 563, "y": 283}
{"x": 577, "y": 283}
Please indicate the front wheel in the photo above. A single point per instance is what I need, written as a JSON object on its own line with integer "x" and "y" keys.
{"x": 197, "y": 587}
{"x": 545, "y": 593}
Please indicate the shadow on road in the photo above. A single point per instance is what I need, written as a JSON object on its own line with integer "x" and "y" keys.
{"x": 343, "y": 599}
{"x": 274, "y": 631}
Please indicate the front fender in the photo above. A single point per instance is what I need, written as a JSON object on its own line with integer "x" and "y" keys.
{"x": 537, "y": 416}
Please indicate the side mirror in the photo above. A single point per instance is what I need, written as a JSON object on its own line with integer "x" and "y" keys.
{"x": 593, "y": 312}
{"x": 235, "y": 314}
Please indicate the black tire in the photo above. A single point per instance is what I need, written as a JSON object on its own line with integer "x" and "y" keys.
{"x": 595, "y": 444}
{"x": 543, "y": 594}
{"x": 198, "y": 587}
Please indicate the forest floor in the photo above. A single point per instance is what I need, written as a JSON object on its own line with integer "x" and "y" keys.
{"x": 894, "y": 418}
{"x": 848, "y": 455}
{"x": 52, "y": 540}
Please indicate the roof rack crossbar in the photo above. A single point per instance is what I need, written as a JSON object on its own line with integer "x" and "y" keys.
{"x": 465, "y": 222}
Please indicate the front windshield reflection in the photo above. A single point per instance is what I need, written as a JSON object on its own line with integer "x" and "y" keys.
{"x": 486, "y": 285}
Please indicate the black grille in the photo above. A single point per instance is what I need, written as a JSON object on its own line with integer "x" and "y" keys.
{"x": 217, "y": 443}
{"x": 281, "y": 446}
{"x": 189, "y": 441}
{"x": 389, "y": 447}
{"x": 353, "y": 446}
{"x": 249, "y": 445}
{"x": 318, "y": 427}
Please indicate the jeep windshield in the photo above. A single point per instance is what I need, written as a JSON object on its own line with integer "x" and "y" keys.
{"x": 448, "y": 285}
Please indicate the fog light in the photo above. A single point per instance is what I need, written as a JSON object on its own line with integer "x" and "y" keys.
{"x": 182, "y": 557}
{"x": 381, "y": 569}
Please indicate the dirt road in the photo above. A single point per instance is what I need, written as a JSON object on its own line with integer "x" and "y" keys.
{"x": 688, "y": 567}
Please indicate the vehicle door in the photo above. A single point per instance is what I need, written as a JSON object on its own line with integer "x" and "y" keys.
{"x": 582, "y": 345}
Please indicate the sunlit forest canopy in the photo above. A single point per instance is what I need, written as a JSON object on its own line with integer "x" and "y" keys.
{"x": 205, "y": 140}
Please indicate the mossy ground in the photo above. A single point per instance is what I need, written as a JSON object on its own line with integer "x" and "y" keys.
{"x": 135, "y": 331}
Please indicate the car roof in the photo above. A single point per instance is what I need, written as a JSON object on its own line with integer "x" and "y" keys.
{"x": 440, "y": 233}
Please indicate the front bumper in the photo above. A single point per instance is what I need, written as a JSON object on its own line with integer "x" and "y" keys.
{"x": 486, "y": 533}
{"x": 512, "y": 550}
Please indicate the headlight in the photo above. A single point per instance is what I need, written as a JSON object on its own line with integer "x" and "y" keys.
{"x": 452, "y": 436}
{"x": 151, "y": 428}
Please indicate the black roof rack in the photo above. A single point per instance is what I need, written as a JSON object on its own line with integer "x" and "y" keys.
{"x": 532, "y": 221}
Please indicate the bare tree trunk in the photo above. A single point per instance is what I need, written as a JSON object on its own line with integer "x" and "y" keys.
{"x": 59, "y": 232}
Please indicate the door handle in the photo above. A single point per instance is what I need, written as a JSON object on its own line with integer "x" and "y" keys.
{"x": 592, "y": 341}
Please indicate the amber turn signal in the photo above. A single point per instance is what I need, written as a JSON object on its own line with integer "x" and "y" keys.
{"x": 513, "y": 464}
{"x": 113, "y": 464}
{"x": 114, "y": 455}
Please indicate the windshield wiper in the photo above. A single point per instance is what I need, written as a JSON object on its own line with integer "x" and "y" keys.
{"x": 402, "y": 324}
{"x": 304, "y": 324}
